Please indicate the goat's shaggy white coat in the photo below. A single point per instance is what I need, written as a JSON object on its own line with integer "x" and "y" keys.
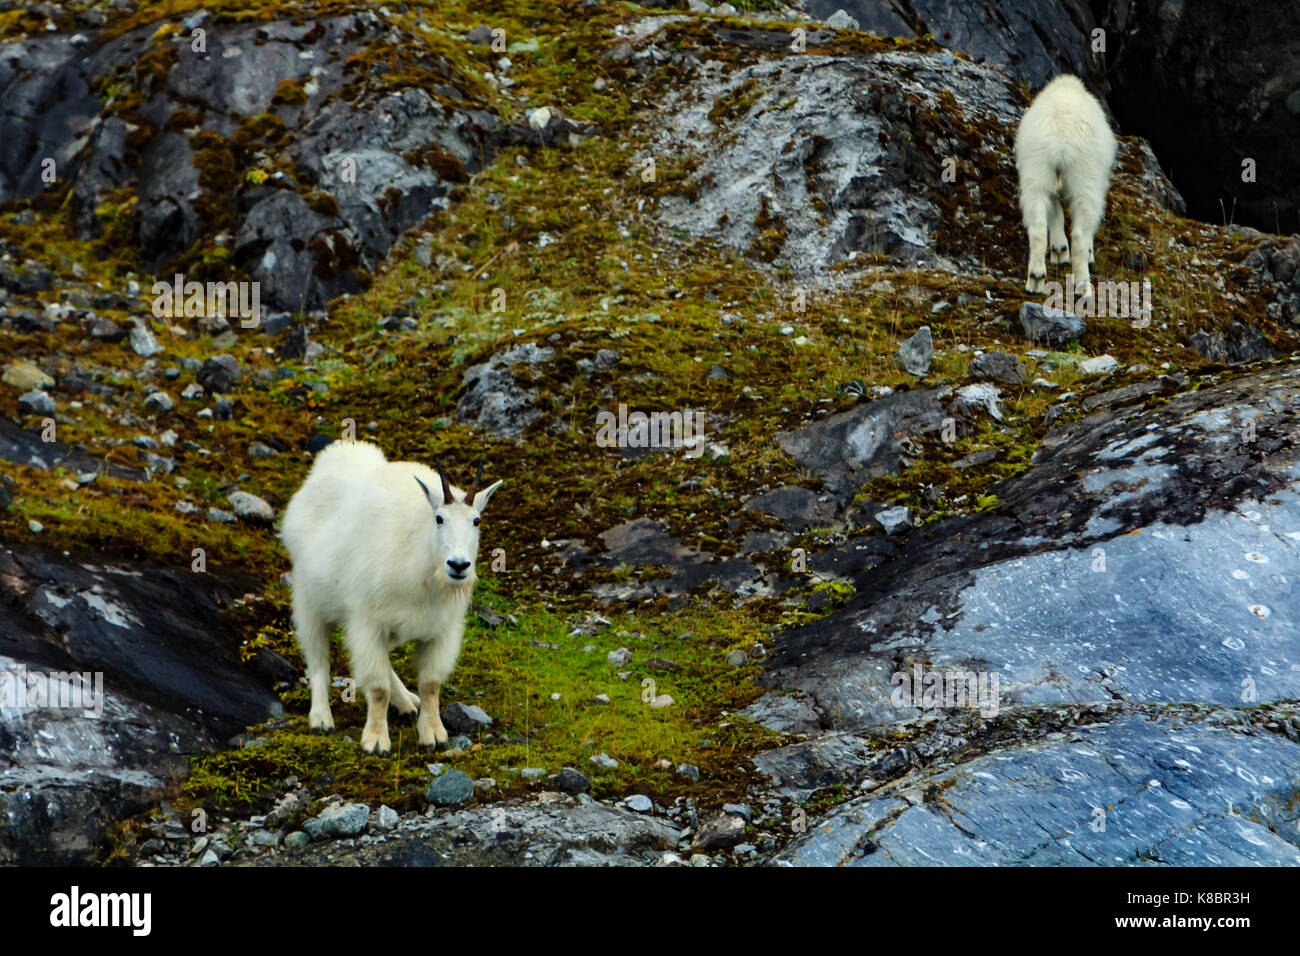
{"x": 376, "y": 549}
{"x": 1064, "y": 153}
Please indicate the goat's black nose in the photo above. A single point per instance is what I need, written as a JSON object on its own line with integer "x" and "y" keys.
{"x": 458, "y": 567}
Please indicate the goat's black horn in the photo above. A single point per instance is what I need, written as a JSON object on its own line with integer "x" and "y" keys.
{"x": 476, "y": 486}
{"x": 446, "y": 488}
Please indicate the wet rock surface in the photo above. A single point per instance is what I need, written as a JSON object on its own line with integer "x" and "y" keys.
{"x": 171, "y": 681}
{"x": 1145, "y": 559}
{"x": 1131, "y": 790}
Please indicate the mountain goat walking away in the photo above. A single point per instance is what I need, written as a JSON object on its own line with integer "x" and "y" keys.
{"x": 1064, "y": 152}
{"x": 387, "y": 550}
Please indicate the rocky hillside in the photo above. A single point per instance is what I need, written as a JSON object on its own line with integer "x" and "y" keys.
{"x": 483, "y": 229}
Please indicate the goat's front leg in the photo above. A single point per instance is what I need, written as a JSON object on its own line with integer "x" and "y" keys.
{"x": 371, "y": 670}
{"x": 432, "y": 674}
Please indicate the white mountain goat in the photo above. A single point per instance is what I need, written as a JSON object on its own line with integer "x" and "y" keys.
{"x": 1064, "y": 153}
{"x": 387, "y": 550}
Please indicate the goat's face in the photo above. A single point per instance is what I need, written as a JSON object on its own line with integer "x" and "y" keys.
{"x": 456, "y": 521}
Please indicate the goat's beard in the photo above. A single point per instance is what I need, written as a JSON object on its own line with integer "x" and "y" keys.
{"x": 456, "y": 588}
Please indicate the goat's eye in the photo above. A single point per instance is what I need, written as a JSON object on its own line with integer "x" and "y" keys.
{"x": 476, "y": 522}
{"x": 439, "y": 517}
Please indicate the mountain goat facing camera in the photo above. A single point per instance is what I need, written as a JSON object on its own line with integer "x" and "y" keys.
{"x": 386, "y": 549}
{"x": 1064, "y": 153}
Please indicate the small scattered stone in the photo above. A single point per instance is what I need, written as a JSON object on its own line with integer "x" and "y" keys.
{"x": 619, "y": 657}
{"x": 639, "y": 803}
{"x": 895, "y": 519}
{"x": 143, "y": 342}
{"x": 571, "y": 781}
{"x": 915, "y": 354}
{"x": 839, "y": 20}
{"x": 451, "y": 788}
{"x": 251, "y": 508}
{"x": 998, "y": 367}
{"x": 158, "y": 402}
{"x": 1100, "y": 365}
{"x": 465, "y": 718}
{"x": 219, "y": 374}
{"x": 106, "y": 330}
{"x": 1050, "y": 326}
{"x": 338, "y": 820}
{"x": 980, "y": 397}
{"x": 38, "y": 402}
{"x": 26, "y": 376}
{"x": 720, "y": 833}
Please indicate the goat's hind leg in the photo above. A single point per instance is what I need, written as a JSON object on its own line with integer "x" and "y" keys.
{"x": 1058, "y": 248}
{"x": 313, "y": 635}
{"x": 404, "y": 702}
{"x": 1085, "y": 216}
{"x": 1034, "y": 205}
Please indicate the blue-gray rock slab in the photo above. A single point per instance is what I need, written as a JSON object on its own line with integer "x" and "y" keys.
{"x": 1146, "y": 556}
{"x": 1132, "y": 791}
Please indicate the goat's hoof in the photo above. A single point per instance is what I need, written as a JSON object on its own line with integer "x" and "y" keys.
{"x": 1036, "y": 283}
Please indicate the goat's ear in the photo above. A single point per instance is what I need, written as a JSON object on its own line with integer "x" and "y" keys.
{"x": 427, "y": 496}
{"x": 481, "y": 497}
